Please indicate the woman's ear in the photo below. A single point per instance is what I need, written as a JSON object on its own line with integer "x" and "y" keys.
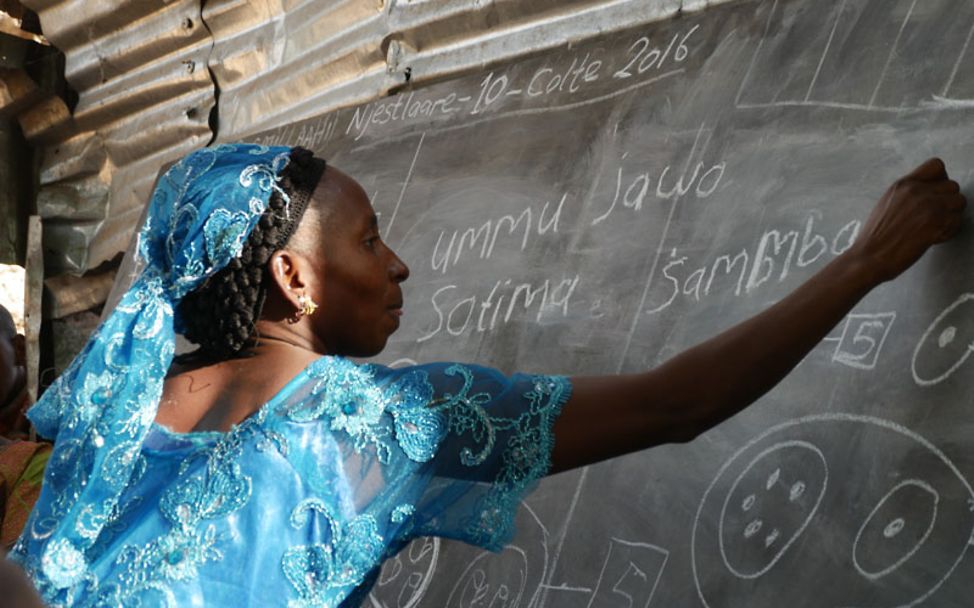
{"x": 290, "y": 275}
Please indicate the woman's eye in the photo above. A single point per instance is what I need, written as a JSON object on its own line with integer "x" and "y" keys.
{"x": 372, "y": 242}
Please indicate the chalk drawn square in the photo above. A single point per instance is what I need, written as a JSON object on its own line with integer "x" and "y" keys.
{"x": 862, "y": 339}
{"x": 629, "y": 575}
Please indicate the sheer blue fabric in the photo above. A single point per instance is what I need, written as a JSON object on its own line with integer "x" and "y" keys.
{"x": 304, "y": 499}
{"x": 99, "y": 411}
{"x": 299, "y": 504}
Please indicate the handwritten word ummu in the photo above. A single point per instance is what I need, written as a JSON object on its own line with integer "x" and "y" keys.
{"x": 458, "y": 313}
{"x": 772, "y": 260}
{"x": 486, "y": 235}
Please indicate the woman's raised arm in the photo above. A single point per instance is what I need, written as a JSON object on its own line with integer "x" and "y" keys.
{"x": 609, "y": 416}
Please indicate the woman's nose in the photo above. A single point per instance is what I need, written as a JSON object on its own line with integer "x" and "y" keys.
{"x": 398, "y": 269}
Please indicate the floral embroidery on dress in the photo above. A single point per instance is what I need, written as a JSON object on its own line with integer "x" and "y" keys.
{"x": 347, "y": 555}
{"x": 354, "y": 403}
{"x": 352, "y": 426}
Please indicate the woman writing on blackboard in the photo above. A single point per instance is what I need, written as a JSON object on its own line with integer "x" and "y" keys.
{"x": 265, "y": 465}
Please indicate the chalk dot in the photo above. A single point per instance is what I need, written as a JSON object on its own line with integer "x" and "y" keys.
{"x": 771, "y": 538}
{"x": 797, "y": 489}
{"x": 773, "y": 479}
{"x": 753, "y": 528}
{"x": 894, "y": 527}
{"x": 748, "y": 502}
{"x": 947, "y": 336}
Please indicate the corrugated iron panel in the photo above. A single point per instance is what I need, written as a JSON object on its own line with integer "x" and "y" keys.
{"x": 140, "y": 69}
{"x": 280, "y": 62}
{"x": 144, "y": 98}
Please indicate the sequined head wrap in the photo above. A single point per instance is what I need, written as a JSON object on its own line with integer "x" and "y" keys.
{"x": 100, "y": 410}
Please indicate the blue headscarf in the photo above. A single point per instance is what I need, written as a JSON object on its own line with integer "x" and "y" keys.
{"x": 100, "y": 410}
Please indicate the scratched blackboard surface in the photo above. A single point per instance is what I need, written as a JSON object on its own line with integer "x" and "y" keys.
{"x": 599, "y": 208}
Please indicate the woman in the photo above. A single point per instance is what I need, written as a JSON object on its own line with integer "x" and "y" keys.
{"x": 266, "y": 468}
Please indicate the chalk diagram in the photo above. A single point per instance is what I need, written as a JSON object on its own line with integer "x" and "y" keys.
{"x": 946, "y": 344}
{"x": 510, "y": 578}
{"x": 823, "y": 70}
{"x": 788, "y": 521}
{"x": 404, "y": 578}
{"x": 861, "y": 339}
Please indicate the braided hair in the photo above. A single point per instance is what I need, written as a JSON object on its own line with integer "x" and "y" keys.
{"x": 220, "y": 315}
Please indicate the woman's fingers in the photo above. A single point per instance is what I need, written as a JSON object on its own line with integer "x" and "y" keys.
{"x": 931, "y": 170}
{"x": 951, "y": 227}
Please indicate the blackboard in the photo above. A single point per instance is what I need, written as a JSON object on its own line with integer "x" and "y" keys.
{"x": 601, "y": 207}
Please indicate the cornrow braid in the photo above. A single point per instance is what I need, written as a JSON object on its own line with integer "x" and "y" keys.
{"x": 220, "y": 315}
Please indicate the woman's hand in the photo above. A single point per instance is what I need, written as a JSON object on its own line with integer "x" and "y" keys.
{"x": 613, "y": 415}
{"x": 919, "y": 210}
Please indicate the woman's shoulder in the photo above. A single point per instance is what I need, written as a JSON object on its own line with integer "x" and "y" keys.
{"x": 218, "y": 395}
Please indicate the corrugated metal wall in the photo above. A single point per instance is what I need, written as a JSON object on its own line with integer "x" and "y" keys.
{"x": 144, "y": 97}
{"x": 148, "y": 74}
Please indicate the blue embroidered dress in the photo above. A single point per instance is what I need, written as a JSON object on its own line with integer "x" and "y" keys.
{"x": 299, "y": 504}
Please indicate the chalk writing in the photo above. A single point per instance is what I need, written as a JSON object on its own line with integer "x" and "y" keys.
{"x": 312, "y": 134}
{"x": 645, "y": 56}
{"x": 772, "y": 259}
{"x": 459, "y": 312}
{"x": 702, "y": 181}
{"x": 448, "y": 251}
{"x": 568, "y": 75}
{"x": 476, "y": 589}
{"x": 861, "y": 339}
{"x": 400, "y": 108}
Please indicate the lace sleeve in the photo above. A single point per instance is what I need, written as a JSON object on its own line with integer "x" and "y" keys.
{"x": 485, "y": 439}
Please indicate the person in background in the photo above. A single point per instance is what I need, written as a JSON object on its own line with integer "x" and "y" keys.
{"x": 15, "y": 588}
{"x": 21, "y": 463}
{"x": 14, "y": 399}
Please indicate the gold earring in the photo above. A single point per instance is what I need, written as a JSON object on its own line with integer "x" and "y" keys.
{"x": 308, "y": 306}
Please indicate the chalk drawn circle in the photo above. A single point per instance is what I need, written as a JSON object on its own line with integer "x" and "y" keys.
{"x": 943, "y": 339}
{"x": 703, "y": 544}
{"x": 894, "y": 528}
{"x": 474, "y": 580}
{"x": 413, "y": 586}
{"x": 755, "y": 525}
{"x": 523, "y": 570}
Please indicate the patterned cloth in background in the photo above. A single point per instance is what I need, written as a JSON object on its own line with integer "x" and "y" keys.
{"x": 21, "y": 473}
